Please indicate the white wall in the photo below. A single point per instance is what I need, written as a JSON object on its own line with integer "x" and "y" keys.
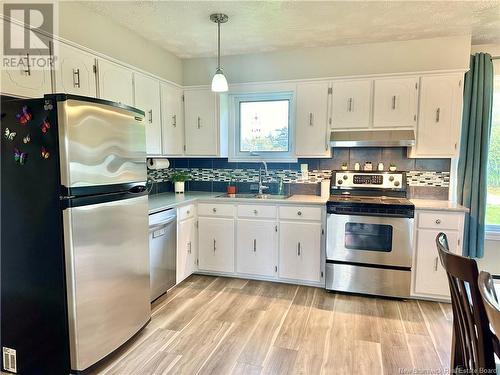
{"x": 388, "y": 57}
{"x": 82, "y": 26}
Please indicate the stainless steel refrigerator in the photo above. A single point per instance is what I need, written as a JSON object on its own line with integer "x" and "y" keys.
{"x": 74, "y": 256}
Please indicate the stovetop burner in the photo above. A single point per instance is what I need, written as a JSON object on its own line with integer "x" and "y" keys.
{"x": 369, "y": 200}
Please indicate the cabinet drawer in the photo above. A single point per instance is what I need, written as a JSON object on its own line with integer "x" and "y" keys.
{"x": 300, "y": 213}
{"x": 186, "y": 212}
{"x": 439, "y": 220}
{"x": 208, "y": 209}
{"x": 257, "y": 211}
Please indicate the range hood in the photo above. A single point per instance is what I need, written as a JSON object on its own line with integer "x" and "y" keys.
{"x": 372, "y": 138}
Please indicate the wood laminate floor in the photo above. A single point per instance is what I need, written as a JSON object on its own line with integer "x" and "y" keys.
{"x": 216, "y": 325}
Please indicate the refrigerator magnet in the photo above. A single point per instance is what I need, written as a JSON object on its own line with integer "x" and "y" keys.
{"x": 24, "y": 115}
{"x": 19, "y": 156}
{"x": 45, "y": 154}
{"x": 9, "y": 135}
{"x": 45, "y": 126}
{"x": 27, "y": 139}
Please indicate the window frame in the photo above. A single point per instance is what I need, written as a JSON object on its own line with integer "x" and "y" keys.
{"x": 235, "y": 155}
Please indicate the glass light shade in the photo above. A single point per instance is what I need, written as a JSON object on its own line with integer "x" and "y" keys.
{"x": 219, "y": 82}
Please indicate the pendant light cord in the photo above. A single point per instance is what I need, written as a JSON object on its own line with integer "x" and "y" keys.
{"x": 218, "y": 45}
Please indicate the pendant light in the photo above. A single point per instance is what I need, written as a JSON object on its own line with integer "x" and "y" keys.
{"x": 219, "y": 82}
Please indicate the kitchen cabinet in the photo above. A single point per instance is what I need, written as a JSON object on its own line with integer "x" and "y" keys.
{"x": 395, "y": 102}
{"x": 25, "y": 80}
{"x": 147, "y": 99}
{"x": 439, "y": 119}
{"x": 76, "y": 72}
{"x": 351, "y": 104}
{"x": 201, "y": 126}
{"x": 172, "y": 124}
{"x": 429, "y": 276}
{"x": 216, "y": 244}
{"x": 312, "y": 131}
{"x": 116, "y": 83}
{"x": 256, "y": 247}
{"x": 300, "y": 251}
{"x": 186, "y": 248}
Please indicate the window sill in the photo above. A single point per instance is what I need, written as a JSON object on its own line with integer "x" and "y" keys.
{"x": 492, "y": 235}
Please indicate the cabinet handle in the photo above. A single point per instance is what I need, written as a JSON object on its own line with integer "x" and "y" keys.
{"x": 214, "y": 210}
{"x": 189, "y": 247}
{"x": 150, "y": 113}
{"x": 199, "y": 122}
{"x": 255, "y": 212}
{"x": 215, "y": 247}
{"x": 188, "y": 212}
{"x": 254, "y": 245}
{"x": 76, "y": 78}
{"x": 438, "y": 112}
{"x": 436, "y": 264}
{"x": 298, "y": 249}
{"x": 28, "y": 68}
{"x": 349, "y": 105}
{"x": 174, "y": 121}
{"x": 438, "y": 221}
{"x": 299, "y": 213}
{"x": 394, "y": 102}
{"x": 310, "y": 119}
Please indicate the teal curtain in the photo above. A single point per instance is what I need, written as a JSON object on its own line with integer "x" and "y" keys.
{"x": 473, "y": 160}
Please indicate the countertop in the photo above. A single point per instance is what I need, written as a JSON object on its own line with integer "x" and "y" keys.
{"x": 164, "y": 201}
{"x": 438, "y": 205}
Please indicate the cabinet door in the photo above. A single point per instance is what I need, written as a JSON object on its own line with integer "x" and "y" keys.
{"x": 147, "y": 99}
{"x": 115, "y": 83}
{"x": 311, "y": 122}
{"x": 439, "y": 117}
{"x": 300, "y": 251}
{"x": 76, "y": 73}
{"x": 351, "y": 104}
{"x": 395, "y": 102}
{"x": 256, "y": 247}
{"x": 216, "y": 244}
{"x": 430, "y": 276}
{"x": 186, "y": 249}
{"x": 200, "y": 122}
{"x": 172, "y": 112}
{"x": 24, "y": 80}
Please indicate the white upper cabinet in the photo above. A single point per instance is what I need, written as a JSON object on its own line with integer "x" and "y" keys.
{"x": 26, "y": 80}
{"x": 395, "y": 102}
{"x": 201, "y": 127}
{"x": 116, "y": 83}
{"x": 351, "y": 104}
{"x": 172, "y": 112}
{"x": 439, "y": 118}
{"x": 147, "y": 99}
{"x": 76, "y": 72}
{"x": 312, "y": 132}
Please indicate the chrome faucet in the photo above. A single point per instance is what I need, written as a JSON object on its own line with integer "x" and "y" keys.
{"x": 262, "y": 187}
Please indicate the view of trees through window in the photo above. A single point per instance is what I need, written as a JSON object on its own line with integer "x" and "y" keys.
{"x": 493, "y": 199}
{"x": 264, "y": 126}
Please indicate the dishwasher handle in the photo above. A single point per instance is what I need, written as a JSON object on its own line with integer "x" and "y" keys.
{"x": 162, "y": 224}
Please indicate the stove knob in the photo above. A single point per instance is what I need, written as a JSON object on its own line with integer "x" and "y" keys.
{"x": 391, "y": 178}
{"x": 345, "y": 177}
{"x": 396, "y": 183}
{"x": 339, "y": 182}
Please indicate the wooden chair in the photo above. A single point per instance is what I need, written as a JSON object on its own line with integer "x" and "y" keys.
{"x": 472, "y": 346}
{"x": 492, "y": 306}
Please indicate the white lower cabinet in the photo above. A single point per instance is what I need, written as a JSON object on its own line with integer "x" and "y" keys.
{"x": 186, "y": 248}
{"x": 216, "y": 244}
{"x": 256, "y": 247}
{"x": 429, "y": 276}
{"x": 300, "y": 251}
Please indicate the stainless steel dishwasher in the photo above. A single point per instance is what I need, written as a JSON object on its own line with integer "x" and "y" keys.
{"x": 162, "y": 251}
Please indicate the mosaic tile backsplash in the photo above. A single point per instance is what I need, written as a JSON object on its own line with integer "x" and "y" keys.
{"x": 430, "y": 176}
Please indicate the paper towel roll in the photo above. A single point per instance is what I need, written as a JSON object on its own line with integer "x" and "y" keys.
{"x": 158, "y": 163}
{"x": 325, "y": 188}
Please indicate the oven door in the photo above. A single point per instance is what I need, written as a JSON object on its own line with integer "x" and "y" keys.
{"x": 371, "y": 240}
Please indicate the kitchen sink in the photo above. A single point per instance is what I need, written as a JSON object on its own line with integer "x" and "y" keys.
{"x": 254, "y": 196}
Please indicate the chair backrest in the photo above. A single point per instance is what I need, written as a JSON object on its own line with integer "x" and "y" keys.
{"x": 490, "y": 300}
{"x": 470, "y": 322}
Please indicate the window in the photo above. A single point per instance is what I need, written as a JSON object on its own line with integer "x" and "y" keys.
{"x": 261, "y": 127}
{"x": 493, "y": 196}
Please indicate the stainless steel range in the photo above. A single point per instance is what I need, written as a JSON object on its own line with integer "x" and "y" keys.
{"x": 369, "y": 233}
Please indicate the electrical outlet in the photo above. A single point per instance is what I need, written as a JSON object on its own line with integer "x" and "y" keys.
{"x": 9, "y": 359}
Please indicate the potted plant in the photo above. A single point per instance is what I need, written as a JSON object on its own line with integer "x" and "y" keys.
{"x": 231, "y": 187}
{"x": 179, "y": 178}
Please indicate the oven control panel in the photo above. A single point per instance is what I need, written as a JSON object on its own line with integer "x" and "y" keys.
{"x": 352, "y": 179}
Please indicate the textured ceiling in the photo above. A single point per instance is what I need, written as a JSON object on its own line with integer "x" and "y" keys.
{"x": 184, "y": 28}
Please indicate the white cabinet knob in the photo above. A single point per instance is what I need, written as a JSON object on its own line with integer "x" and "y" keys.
{"x": 299, "y": 213}
{"x": 438, "y": 221}
{"x": 255, "y": 212}
{"x": 214, "y": 209}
